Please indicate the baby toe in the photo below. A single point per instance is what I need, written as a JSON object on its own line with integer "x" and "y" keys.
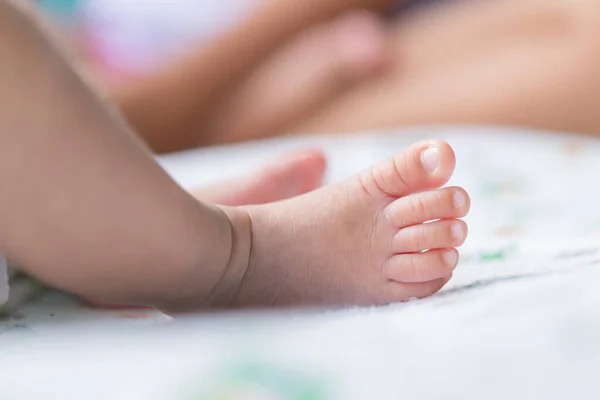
{"x": 397, "y": 292}
{"x": 423, "y": 166}
{"x": 426, "y": 289}
{"x": 421, "y": 267}
{"x": 434, "y": 235}
{"x": 415, "y": 209}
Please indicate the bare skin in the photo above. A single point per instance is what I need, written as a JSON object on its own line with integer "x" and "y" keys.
{"x": 296, "y": 174}
{"x": 513, "y": 63}
{"x": 172, "y": 110}
{"x": 293, "y": 175}
{"x": 77, "y": 184}
{"x": 308, "y": 73}
{"x": 376, "y": 236}
{"x": 76, "y": 211}
{"x": 527, "y": 63}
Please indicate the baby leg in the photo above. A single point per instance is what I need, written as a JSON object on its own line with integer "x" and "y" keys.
{"x": 84, "y": 206}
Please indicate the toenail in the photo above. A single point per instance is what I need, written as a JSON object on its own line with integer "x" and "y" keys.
{"x": 459, "y": 199}
{"x": 450, "y": 258}
{"x": 430, "y": 159}
{"x": 457, "y": 231}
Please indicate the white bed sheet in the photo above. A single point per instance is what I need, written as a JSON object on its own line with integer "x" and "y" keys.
{"x": 521, "y": 318}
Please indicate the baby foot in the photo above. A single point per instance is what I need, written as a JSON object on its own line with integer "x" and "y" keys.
{"x": 367, "y": 241}
{"x": 297, "y": 174}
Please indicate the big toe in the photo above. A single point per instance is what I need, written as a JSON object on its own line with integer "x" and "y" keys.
{"x": 423, "y": 166}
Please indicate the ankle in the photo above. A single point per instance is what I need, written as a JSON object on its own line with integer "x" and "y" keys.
{"x": 226, "y": 290}
{"x": 218, "y": 267}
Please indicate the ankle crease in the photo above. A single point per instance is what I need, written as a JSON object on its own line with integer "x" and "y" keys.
{"x": 236, "y": 268}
